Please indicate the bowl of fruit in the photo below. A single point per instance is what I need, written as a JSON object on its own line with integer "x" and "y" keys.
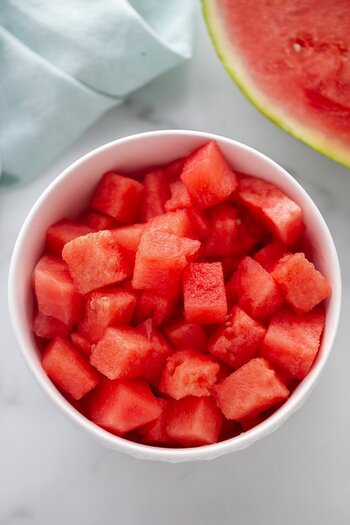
{"x": 176, "y": 294}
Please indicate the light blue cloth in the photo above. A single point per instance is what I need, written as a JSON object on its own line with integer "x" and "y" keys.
{"x": 63, "y": 63}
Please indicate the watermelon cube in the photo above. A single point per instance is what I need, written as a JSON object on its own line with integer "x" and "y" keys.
{"x": 292, "y": 341}
{"x": 160, "y": 259}
{"x": 158, "y": 307}
{"x": 255, "y": 290}
{"x": 124, "y": 405}
{"x": 161, "y": 350}
{"x": 193, "y": 421}
{"x": 97, "y": 221}
{"x": 122, "y": 352}
{"x": 154, "y": 432}
{"x": 237, "y": 342}
{"x": 250, "y": 233}
{"x": 180, "y": 198}
{"x": 68, "y": 369}
{"x": 103, "y": 309}
{"x": 172, "y": 171}
{"x": 188, "y": 373}
{"x": 229, "y": 429}
{"x": 187, "y": 335}
{"x": 204, "y": 293}
{"x": 95, "y": 260}
{"x": 269, "y": 255}
{"x": 118, "y": 196}
{"x": 82, "y": 344}
{"x": 128, "y": 237}
{"x": 156, "y": 193}
{"x": 199, "y": 222}
{"x": 49, "y": 327}
{"x": 55, "y": 291}
{"x": 223, "y": 228}
{"x": 207, "y": 176}
{"x": 280, "y": 214}
{"x": 302, "y": 285}
{"x": 177, "y": 223}
{"x": 250, "y": 390}
{"x": 62, "y": 232}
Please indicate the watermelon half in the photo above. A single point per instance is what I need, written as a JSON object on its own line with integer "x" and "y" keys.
{"x": 291, "y": 58}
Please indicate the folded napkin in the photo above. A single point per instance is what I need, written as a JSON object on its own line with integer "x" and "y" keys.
{"x": 63, "y": 63}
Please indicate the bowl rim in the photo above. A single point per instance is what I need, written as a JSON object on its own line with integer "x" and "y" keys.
{"x": 161, "y": 453}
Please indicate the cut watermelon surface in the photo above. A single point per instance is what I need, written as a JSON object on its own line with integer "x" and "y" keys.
{"x": 191, "y": 326}
{"x": 290, "y": 60}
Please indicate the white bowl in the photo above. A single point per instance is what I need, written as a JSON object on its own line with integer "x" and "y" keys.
{"x": 69, "y": 193}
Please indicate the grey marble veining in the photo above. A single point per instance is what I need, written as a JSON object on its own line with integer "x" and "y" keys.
{"x": 52, "y": 474}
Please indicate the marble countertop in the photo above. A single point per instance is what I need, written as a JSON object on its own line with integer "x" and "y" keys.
{"x": 51, "y": 473}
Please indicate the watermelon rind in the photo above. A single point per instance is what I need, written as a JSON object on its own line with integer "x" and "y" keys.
{"x": 329, "y": 146}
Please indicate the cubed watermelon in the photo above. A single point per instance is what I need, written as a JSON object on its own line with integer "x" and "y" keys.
{"x": 154, "y": 433}
{"x": 255, "y": 290}
{"x": 123, "y": 405}
{"x": 119, "y": 197}
{"x": 302, "y": 285}
{"x": 193, "y": 421}
{"x": 223, "y": 228}
{"x": 128, "y": 237}
{"x": 55, "y": 291}
{"x": 207, "y": 176}
{"x": 103, "y": 309}
{"x": 49, "y": 327}
{"x": 229, "y": 429}
{"x": 122, "y": 352}
{"x": 269, "y": 254}
{"x": 281, "y": 215}
{"x": 156, "y": 193}
{"x": 68, "y": 369}
{"x": 159, "y": 307}
{"x": 250, "y": 390}
{"x": 204, "y": 293}
{"x": 199, "y": 222}
{"x": 292, "y": 341}
{"x": 95, "y": 260}
{"x": 161, "y": 350}
{"x": 62, "y": 232}
{"x": 187, "y": 335}
{"x": 188, "y": 373}
{"x": 180, "y": 198}
{"x": 238, "y": 340}
{"x": 177, "y": 223}
{"x": 160, "y": 259}
{"x": 97, "y": 221}
{"x": 82, "y": 344}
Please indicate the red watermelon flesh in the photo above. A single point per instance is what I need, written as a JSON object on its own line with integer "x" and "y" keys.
{"x": 161, "y": 350}
{"x": 55, "y": 291}
{"x": 269, "y": 254}
{"x": 154, "y": 432}
{"x": 122, "y": 352}
{"x": 223, "y": 228}
{"x": 104, "y": 309}
{"x": 292, "y": 341}
{"x": 188, "y": 373}
{"x": 49, "y": 327}
{"x": 97, "y": 221}
{"x": 204, "y": 293}
{"x": 156, "y": 193}
{"x": 62, "y": 232}
{"x": 82, "y": 344}
{"x": 159, "y": 307}
{"x": 281, "y": 215}
{"x": 199, "y": 222}
{"x": 176, "y": 223}
{"x": 302, "y": 285}
{"x": 208, "y": 177}
{"x": 238, "y": 340}
{"x": 187, "y": 335}
{"x": 180, "y": 198}
{"x": 255, "y": 290}
{"x": 250, "y": 390}
{"x": 118, "y": 197}
{"x": 128, "y": 237}
{"x": 124, "y": 405}
{"x": 68, "y": 369}
{"x": 193, "y": 421}
{"x": 95, "y": 260}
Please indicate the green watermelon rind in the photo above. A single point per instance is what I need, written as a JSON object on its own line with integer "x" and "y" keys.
{"x": 342, "y": 155}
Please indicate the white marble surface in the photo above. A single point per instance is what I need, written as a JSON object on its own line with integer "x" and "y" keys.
{"x": 50, "y": 473}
